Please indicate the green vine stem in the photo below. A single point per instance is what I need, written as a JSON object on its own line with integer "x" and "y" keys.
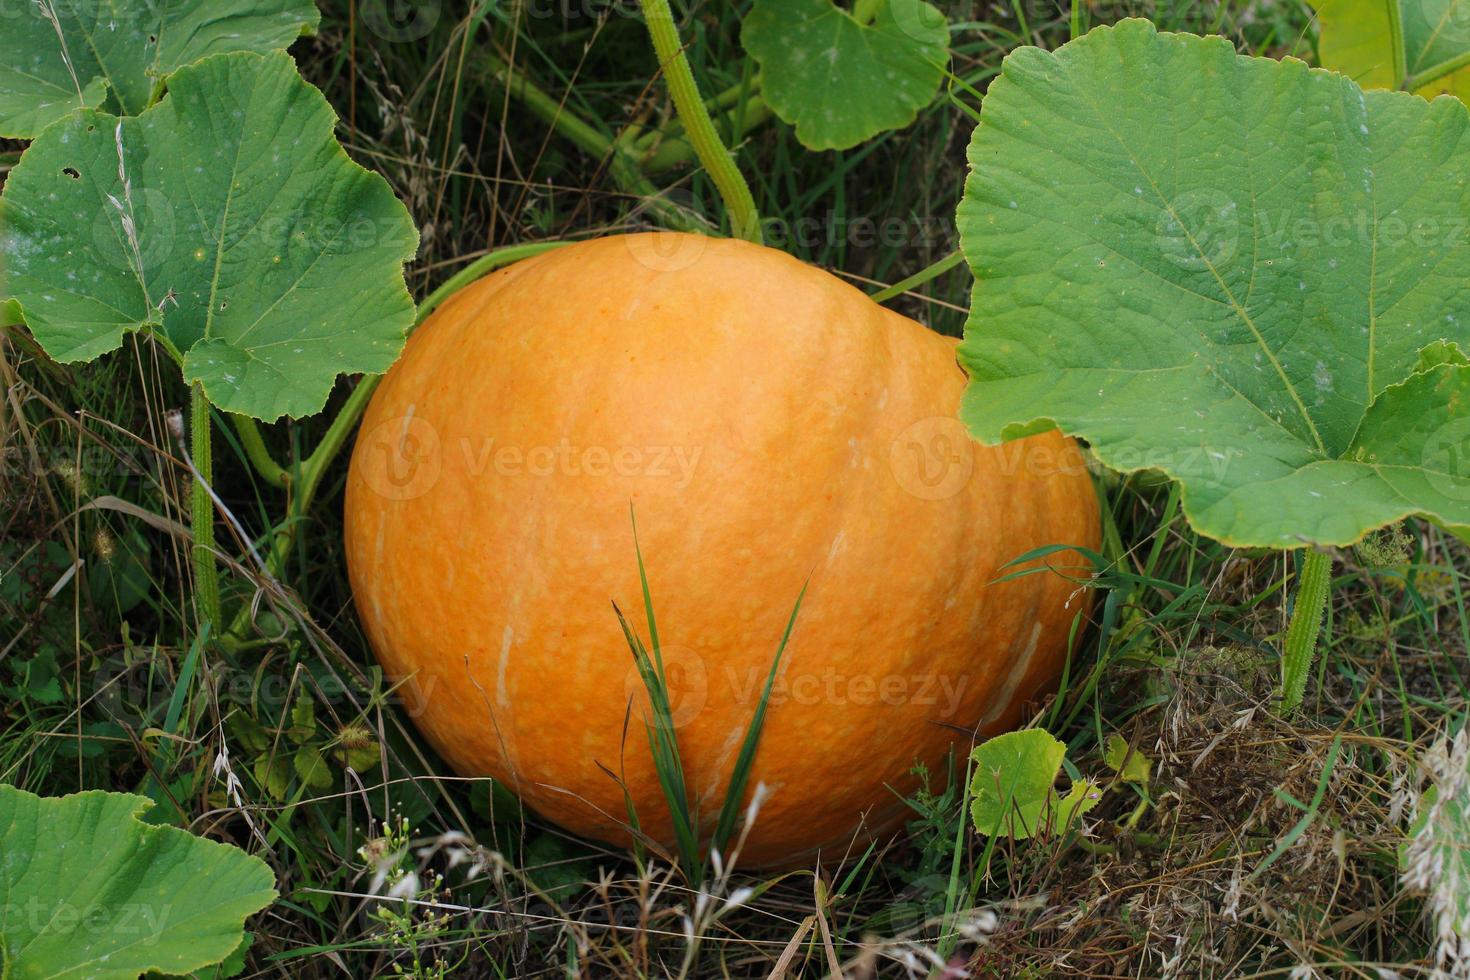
{"x": 260, "y": 457}
{"x": 740, "y": 107}
{"x": 672, "y": 150}
{"x": 1306, "y": 623}
{"x": 1414, "y": 83}
{"x": 698, "y": 127}
{"x": 1398, "y": 48}
{"x": 201, "y": 509}
{"x": 924, "y": 275}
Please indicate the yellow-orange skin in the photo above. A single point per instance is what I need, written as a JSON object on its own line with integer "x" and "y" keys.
{"x": 819, "y": 442}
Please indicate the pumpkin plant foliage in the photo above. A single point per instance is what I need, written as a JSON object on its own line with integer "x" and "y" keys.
{"x": 90, "y": 890}
{"x": 844, "y": 77}
{"x": 227, "y": 220}
{"x": 59, "y": 55}
{"x": 1013, "y": 790}
{"x": 1248, "y": 274}
{"x": 1422, "y": 46}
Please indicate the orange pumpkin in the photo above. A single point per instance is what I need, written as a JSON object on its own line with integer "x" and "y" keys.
{"x": 770, "y": 425}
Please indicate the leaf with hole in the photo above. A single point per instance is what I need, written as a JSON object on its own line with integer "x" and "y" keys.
{"x": 60, "y": 55}
{"x": 1131, "y": 765}
{"x": 844, "y": 77}
{"x": 1013, "y": 790}
{"x": 227, "y": 220}
{"x": 92, "y": 891}
{"x": 1225, "y": 268}
{"x": 1421, "y": 46}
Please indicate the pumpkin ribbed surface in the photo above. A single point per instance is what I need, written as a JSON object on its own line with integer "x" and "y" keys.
{"x": 769, "y": 425}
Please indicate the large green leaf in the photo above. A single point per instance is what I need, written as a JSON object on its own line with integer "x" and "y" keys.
{"x": 1419, "y": 45}
{"x": 1013, "y": 791}
{"x": 1225, "y": 268}
{"x": 241, "y": 232}
{"x": 68, "y": 53}
{"x": 839, "y": 80}
{"x": 89, "y": 890}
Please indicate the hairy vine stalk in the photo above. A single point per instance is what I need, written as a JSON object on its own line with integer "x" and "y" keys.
{"x": 201, "y": 508}
{"x": 699, "y": 129}
{"x": 1306, "y": 623}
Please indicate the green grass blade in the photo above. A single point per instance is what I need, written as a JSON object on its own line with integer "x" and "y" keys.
{"x": 740, "y": 776}
{"x": 663, "y": 745}
{"x": 658, "y": 657}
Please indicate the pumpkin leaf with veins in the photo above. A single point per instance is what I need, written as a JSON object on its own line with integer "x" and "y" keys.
{"x": 241, "y": 233}
{"x": 117, "y": 51}
{"x": 841, "y": 80}
{"x": 90, "y": 890}
{"x": 1429, "y": 53}
{"x": 1225, "y": 268}
{"x": 1013, "y": 791}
